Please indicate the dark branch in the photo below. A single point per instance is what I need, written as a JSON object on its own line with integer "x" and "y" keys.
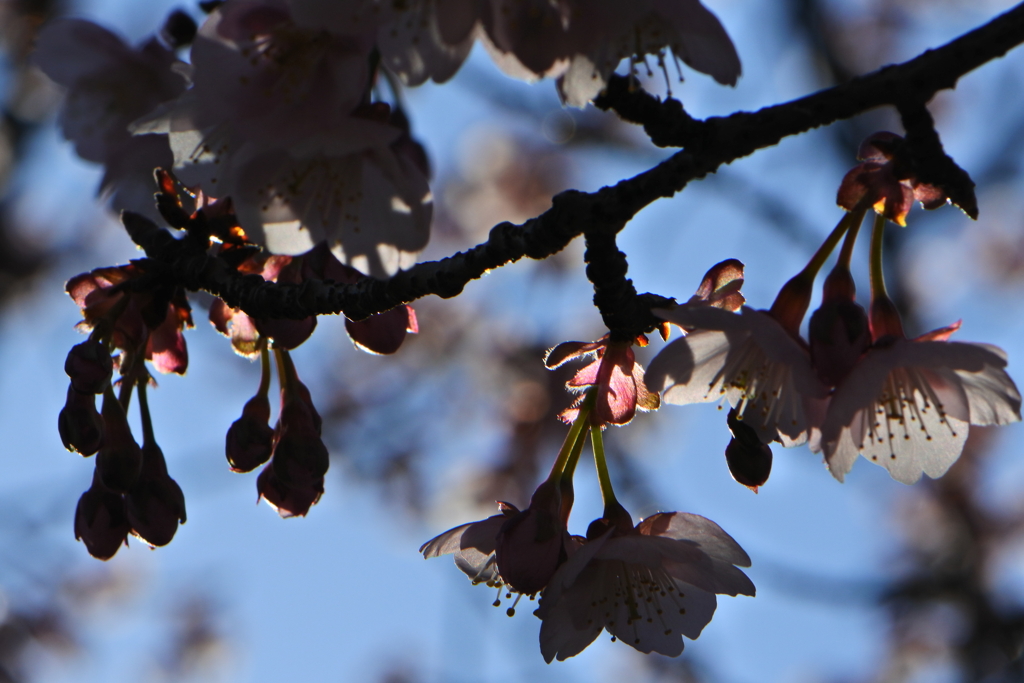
{"x": 708, "y": 144}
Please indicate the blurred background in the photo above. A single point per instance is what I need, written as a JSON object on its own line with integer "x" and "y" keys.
{"x": 858, "y": 582}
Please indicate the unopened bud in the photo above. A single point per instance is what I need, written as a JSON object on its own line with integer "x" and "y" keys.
{"x": 89, "y": 366}
{"x": 290, "y": 500}
{"x": 299, "y": 454}
{"x": 156, "y": 505}
{"x": 79, "y": 424}
{"x": 749, "y": 460}
{"x": 100, "y": 520}
{"x": 119, "y": 461}
{"x": 839, "y": 335}
{"x": 250, "y": 439}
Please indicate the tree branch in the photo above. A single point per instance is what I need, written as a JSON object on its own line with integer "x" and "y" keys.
{"x": 707, "y": 145}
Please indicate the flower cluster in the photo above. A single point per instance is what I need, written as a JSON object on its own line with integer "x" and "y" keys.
{"x": 131, "y": 490}
{"x": 613, "y": 373}
{"x": 858, "y": 386}
{"x": 648, "y": 585}
{"x": 278, "y": 106}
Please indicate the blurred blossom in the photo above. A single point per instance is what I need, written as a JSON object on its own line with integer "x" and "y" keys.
{"x": 503, "y": 178}
{"x": 279, "y": 120}
{"x": 109, "y": 86}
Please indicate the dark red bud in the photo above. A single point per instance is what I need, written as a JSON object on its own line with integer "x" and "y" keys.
{"x": 119, "y": 461}
{"x": 100, "y": 521}
{"x": 792, "y": 302}
{"x": 287, "y": 334}
{"x": 156, "y": 505}
{"x": 885, "y": 319}
{"x": 89, "y": 366}
{"x": 299, "y": 454}
{"x": 839, "y": 336}
{"x": 79, "y": 424}
{"x": 749, "y": 460}
{"x": 250, "y": 439}
{"x": 289, "y": 500}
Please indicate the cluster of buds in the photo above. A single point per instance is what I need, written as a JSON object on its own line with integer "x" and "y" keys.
{"x": 129, "y": 310}
{"x": 293, "y": 480}
{"x": 857, "y": 386}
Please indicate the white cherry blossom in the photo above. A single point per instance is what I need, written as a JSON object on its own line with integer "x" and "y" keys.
{"x": 908, "y": 405}
{"x": 277, "y": 120}
{"x": 648, "y": 587}
{"x": 748, "y": 359}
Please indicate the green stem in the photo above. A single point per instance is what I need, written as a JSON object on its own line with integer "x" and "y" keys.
{"x": 846, "y": 254}
{"x": 877, "y": 276}
{"x": 570, "y": 439}
{"x": 574, "y": 456}
{"x": 810, "y": 271}
{"x": 607, "y": 493}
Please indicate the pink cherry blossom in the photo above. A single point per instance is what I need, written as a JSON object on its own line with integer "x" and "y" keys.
{"x": 619, "y": 379}
{"x": 648, "y": 586}
{"x": 748, "y": 359}
{"x": 908, "y": 405}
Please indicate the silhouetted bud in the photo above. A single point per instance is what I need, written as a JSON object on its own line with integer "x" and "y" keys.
{"x": 838, "y": 332}
{"x": 299, "y": 454}
{"x": 100, "y": 520}
{"x": 119, "y": 461}
{"x": 156, "y": 505}
{"x": 250, "y": 439}
{"x": 750, "y": 460}
{"x": 89, "y": 366}
{"x": 79, "y": 424}
{"x": 290, "y": 500}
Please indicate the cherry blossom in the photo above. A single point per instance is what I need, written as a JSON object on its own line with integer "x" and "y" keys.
{"x": 473, "y": 545}
{"x": 748, "y": 359}
{"x": 910, "y": 402}
{"x": 110, "y": 84}
{"x": 648, "y": 585}
{"x": 520, "y": 549}
{"x": 618, "y": 378}
{"x": 278, "y": 119}
{"x": 606, "y": 32}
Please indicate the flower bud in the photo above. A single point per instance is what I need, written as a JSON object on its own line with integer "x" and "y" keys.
{"x": 749, "y": 460}
{"x": 250, "y": 440}
{"x": 79, "y": 424}
{"x": 156, "y": 505}
{"x": 838, "y": 330}
{"x": 290, "y": 500}
{"x": 119, "y": 461}
{"x": 299, "y": 454}
{"x": 89, "y": 366}
{"x": 100, "y": 520}
{"x": 530, "y": 545}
